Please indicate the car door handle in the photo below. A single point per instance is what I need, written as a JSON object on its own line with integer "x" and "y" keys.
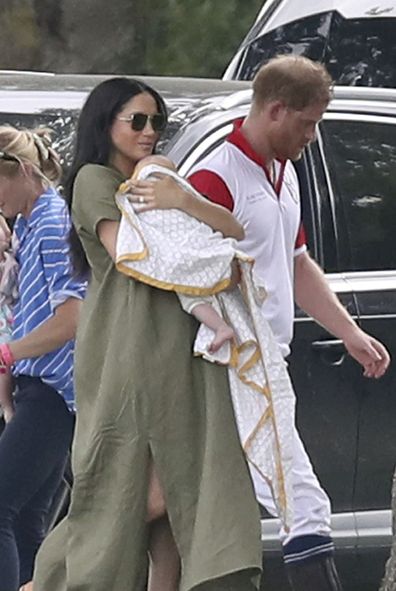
{"x": 332, "y": 351}
{"x": 330, "y": 345}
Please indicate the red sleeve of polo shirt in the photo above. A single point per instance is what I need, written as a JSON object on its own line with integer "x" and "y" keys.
{"x": 213, "y": 187}
{"x": 301, "y": 239}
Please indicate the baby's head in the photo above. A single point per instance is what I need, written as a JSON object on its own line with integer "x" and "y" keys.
{"x": 154, "y": 159}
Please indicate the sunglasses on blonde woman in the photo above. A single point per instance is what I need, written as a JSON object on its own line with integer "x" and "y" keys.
{"x": 138, "y": 121}
{"x": 9, "y": 157}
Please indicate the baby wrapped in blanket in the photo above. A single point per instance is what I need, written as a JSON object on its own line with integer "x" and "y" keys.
{"x": 171, "y": 250}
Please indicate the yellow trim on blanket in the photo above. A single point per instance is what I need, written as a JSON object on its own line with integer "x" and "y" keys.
{"x": 185, "y": 289}
{"x": 267, "y": 416}
{"x": 248, "y": 365}
{"x": 160, "y": 284}
{"x": 264, "y": 418}
{"x": 234, "y": 355}
{"x": 272, "y": 488}
{"x": 136, "y": 256}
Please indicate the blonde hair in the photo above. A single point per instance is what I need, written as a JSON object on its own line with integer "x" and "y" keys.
{"x": 30, "y": 146}
{"x": 293, "y": 79}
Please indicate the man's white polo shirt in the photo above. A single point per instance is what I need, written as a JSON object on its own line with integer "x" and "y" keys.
{"x": 235, "y": 176}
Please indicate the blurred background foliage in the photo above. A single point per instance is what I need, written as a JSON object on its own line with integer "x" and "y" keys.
{"x": 155, "y": 37}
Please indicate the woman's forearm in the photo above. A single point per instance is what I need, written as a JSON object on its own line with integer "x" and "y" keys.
{"x": 6, "y": 390}
{"x": 51, "y": 335}
{"x": 166, "y": 193}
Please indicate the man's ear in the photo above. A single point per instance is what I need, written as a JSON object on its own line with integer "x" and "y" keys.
{"x": 276, "y": 111}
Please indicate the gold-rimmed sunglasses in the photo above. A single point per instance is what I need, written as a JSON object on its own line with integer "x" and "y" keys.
{"x": 138, "y": 121}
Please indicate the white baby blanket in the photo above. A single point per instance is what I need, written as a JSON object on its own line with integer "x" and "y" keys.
{"x": 170, "y": 249}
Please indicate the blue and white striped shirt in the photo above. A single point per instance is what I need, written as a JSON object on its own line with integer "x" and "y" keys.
{"x": 45, "y": 281}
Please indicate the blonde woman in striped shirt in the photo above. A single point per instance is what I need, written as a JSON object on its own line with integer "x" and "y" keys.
{"x": 39, "y": 357}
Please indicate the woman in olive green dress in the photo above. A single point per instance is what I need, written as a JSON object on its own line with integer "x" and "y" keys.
{"x": 145, "y": 405}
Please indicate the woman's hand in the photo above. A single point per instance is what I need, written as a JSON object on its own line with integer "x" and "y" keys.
{"x": 162, "y": 193}
{"x": 166, "y": 193}
{"x": 8, "y": 413}
{"x": 6, "y": 400}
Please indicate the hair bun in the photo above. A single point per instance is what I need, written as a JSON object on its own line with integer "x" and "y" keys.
{"x": 49, "y": 159}
{"x": 33, "y": 146}
{"x": 44, "y": 135}
{"x": 42, "y": 144}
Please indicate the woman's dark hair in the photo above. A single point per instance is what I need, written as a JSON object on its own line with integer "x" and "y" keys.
{"x": 93, "y": 141}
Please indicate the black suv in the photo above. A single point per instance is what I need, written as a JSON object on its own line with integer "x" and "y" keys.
{"x": 348, "y": 185}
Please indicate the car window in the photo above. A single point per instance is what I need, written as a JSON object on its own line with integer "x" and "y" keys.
{"x": 198, "y": 148}
{"x": 361, "y": 159}
{"x": 62, "y": 122}
{"x": 317, "y": 211}
{"x": 357, "y": 51}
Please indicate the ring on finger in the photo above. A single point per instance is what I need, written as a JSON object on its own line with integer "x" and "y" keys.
{"x": 141, "y": 199}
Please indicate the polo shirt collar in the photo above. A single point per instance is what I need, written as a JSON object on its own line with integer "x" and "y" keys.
{"x": 23, "y": 224}
{"x": 239, "y": 140}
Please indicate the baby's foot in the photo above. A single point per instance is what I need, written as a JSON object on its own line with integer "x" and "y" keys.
{"x": 223, "y": 334}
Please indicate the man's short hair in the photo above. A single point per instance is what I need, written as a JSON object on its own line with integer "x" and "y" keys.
{"x": 295, "y": 80}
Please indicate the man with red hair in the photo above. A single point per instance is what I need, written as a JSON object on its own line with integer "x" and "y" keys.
{"x": 252, "y": 175}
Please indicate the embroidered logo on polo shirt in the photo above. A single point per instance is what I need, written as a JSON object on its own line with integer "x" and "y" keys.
{"x": 257, "y": 196}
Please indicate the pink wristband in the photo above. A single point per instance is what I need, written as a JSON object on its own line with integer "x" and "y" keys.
{"x": 6, "y": 355}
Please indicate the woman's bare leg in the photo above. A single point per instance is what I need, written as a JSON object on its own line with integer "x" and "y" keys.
{"x": 164, "y": 570}
{"x": 155, "y": 497}
{"x": 164, "y": 573}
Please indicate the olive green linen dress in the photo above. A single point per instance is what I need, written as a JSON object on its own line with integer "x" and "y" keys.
{"x": 140, "y": 391}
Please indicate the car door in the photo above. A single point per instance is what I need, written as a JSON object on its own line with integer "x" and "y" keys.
{"x": 324, "y": 376}
{"x": 360, "y": 152}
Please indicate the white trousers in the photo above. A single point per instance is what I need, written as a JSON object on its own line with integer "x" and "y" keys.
{"x": 312, "y": 509}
